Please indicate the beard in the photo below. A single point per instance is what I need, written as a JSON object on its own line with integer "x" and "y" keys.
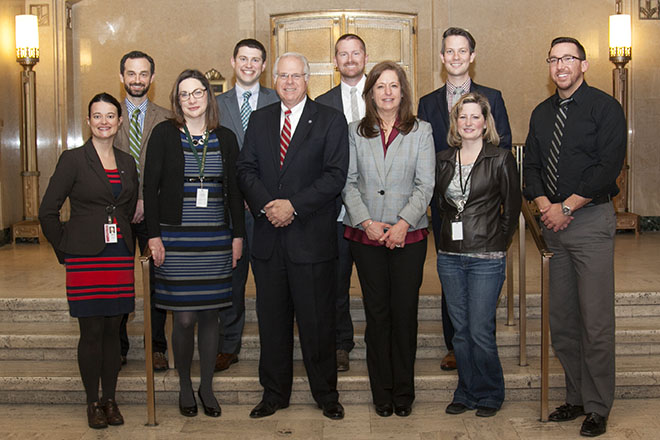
{"x": 137, "y": 94}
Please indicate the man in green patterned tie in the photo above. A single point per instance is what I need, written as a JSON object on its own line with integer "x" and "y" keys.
{"x": 137, "y": 72}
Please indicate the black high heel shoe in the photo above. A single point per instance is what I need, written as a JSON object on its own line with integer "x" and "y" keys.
{"x": 188, "y": 411}
{"x": 209, "y": 410}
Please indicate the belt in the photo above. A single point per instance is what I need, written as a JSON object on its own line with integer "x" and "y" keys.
{"x": 598, "y": 200}
{"x": 203, "y": 179}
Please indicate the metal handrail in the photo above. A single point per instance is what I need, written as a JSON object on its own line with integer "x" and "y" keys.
{"x": 148, "y": 348}
{"x": 527, "y": 218}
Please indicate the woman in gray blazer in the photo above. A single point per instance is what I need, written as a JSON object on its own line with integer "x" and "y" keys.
{"x": 388, "y": 189}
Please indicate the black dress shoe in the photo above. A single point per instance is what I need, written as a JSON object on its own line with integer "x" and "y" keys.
{"x": 384, "y": 410}
{"x": 402, "y": 410}
{"x": 210, "y": 411}
{"x": 484, "y": 411}
{"x": 566, "y": 412}
{"x": 333, "y": 410}
{"x": 594, "y": 425}
{"x": 95, "y": 416}
{"x": 456, "y": 408}
{"x": 188, "y": 411}
{"x": 265, "y": 409}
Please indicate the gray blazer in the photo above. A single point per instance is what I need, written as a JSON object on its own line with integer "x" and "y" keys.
{"x": 154, "y": 115}
{"x": 230, "y": 113}
{"x": 389, "y": 188}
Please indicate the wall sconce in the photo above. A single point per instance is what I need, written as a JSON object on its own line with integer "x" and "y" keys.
{"x": 620, "y": 55}
{"x": 27, "y": 55}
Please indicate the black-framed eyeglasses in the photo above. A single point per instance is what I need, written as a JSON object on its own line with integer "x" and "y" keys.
{"x": 566, "y": 59}
{"x": 197, "y": 94}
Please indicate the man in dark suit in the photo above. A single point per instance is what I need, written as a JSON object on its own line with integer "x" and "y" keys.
{"x": 236, "y": 106}
{"x": 137, "y": 72}
{"x": 292, "y": 167}
{"x": 350, "y": 59}
{"x": 457, "y": 53}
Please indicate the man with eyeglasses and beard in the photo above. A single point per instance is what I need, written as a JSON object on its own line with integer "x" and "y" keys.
{"x": 136, "y": 73}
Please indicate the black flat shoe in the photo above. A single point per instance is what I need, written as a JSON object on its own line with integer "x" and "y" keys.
{"x": 594, "y": 425}
{"x": 566, "y": 412}
{"x": 484, "y": 411}
{"x": 402, "y": 410}
{"x": 188, "y": 411}
{"x": 333, "y": 410}
{"x": 384, "y": 410}
{"x": 209, "y": 410}
{"x": 456, "y": 408}
{"x": 265, "y": 409}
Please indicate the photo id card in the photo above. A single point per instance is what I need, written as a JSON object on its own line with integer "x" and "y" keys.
{"x": 457, "y": 231}
{"x": 110, "y": 232}
{"x": 202, "y": 198}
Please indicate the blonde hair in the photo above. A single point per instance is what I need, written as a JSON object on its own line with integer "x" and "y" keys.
{"x": 490, "y": 133}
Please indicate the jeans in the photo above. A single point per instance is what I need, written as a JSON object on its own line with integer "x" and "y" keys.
{"x": 472, "y": 286}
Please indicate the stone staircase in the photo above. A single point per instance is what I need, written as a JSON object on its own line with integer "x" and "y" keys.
{"x": 38, "y": 364}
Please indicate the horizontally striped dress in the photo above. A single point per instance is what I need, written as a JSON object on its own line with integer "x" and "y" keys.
{"x": 103, "y": 284}
{"x": 196, "y": 273}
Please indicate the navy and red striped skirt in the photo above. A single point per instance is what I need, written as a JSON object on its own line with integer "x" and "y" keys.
{"x": 103, "y": 284}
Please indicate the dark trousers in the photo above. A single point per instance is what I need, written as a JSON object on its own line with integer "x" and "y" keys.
{"x": 582, "y": 306}
{"x": 344, "y": 272}
{"x": 232, "y": 319}
{"x": 285, "y": 289}
{"x": 158, "y": 316}
{"x": 390, "y": 281}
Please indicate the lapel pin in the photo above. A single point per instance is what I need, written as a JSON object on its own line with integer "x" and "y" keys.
{"x": 309, "y": 122}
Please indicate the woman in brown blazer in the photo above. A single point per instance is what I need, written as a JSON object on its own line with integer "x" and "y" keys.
{"x": 96, "y": 247}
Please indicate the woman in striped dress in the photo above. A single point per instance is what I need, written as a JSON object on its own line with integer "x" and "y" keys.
{"x": 96, "y": 247}
{"x": 195, "y": 221}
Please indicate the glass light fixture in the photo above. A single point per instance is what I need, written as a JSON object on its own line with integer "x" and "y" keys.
{"x": 27, "y": 39}
{"x": 620, "y": 38}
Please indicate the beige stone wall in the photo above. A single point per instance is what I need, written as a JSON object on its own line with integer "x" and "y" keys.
{"x": 512, "y": 43}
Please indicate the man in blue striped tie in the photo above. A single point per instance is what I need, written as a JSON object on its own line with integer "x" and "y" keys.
{"x": 136, "y": 73}
{"x": 236, "y": 106}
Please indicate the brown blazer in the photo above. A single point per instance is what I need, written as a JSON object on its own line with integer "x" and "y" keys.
{"x": 80, "y": 176}
{"x": 155, "y": 114}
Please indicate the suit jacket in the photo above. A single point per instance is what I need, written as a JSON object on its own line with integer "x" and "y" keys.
{"x": 164, "y": 173}
{"x": 230, "y": 112}
{"x": 153, "y": 116}
{"x": 433, "y": 108}
{"x": 79, "y": 175}
{"x": 332, "y": 98}
{"x": 390, "y": 187}
{"x": 312, "y": 176}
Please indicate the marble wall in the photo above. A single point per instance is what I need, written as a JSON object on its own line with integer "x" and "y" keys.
{"x": 512, "y": 42}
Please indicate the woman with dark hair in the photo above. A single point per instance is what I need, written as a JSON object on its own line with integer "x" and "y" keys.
{"x": 195, "y": 222}
{"x": 96, "y": 247}
{"x": 388, "y": 189}
{"x": 478, "y": 195}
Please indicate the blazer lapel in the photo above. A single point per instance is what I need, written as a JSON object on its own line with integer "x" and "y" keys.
{"x": 304, "y": 126}
{"x": 231, "y": 102}
{"x": 149, "y": 122}
{"x": 443, "y": 107}
{"x": 96, "y": 165}
{"x": 273, "y": 135}
{"x": 376, "y": 150}
{"x": 392, "y": 152}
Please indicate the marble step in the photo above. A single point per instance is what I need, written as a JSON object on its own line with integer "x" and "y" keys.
{"x": 59, "y": 382}
{"x": 628, "y": 304}
{"x": 58, "y": 340}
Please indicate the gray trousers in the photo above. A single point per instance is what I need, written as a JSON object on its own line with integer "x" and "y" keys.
{"x": 582, "y": 306}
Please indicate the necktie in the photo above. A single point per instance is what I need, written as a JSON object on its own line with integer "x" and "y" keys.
{"x": 455, "y": 96}
{"x": 552, "y": 169}
{"x": 355, "y": 112}
{"x": 285, "y": 137}
{"x": 135, "y": 138}
{"x": 246, "y": 110}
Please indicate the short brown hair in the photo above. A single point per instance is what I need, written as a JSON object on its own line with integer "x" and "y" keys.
{"x": 371, "y": 120}
{"x": 351, "y": 37}
{"x": 212, "y": 112}
{"x": 490, "y": 133}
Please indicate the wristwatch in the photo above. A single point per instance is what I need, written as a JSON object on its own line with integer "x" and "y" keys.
{"x": 566, "y": 210}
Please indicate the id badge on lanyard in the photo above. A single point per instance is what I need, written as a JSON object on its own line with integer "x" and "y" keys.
{"x": 457, "y": 223}
{"x": 110, "y": 228}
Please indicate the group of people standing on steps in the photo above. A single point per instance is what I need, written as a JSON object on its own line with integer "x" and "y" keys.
{"x": 304, "y": 189}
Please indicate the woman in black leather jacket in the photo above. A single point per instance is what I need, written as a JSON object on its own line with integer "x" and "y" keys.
{"x": 478, "y": 193}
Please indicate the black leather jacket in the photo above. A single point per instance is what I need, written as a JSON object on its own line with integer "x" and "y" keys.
{"x": 491, "y": 213}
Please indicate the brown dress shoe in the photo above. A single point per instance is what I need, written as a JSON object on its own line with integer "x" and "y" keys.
{"x": 449, "y": 361}
{"x": 95, "y": 416}
{"x": 224, "y": 361}
{"x": 112, "y": 414}
{"x": 343, "y": 363}
{"x": 160, "y": 361}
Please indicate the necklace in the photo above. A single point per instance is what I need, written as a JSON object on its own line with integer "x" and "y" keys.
{"x": 199, "y": 141}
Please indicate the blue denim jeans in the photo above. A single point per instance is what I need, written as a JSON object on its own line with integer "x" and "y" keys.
{"x": 472, "y": 286}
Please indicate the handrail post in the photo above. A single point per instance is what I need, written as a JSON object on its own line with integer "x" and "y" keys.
{"x": 509, "y": 289}
{"x": 148, "y": 349}
{"x": 545, "y": 334}
{"x": 522, "y": 292}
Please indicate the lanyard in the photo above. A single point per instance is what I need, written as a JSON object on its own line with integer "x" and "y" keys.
{"x": 460, "y": 204}
{"x": 200, "y": 163}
